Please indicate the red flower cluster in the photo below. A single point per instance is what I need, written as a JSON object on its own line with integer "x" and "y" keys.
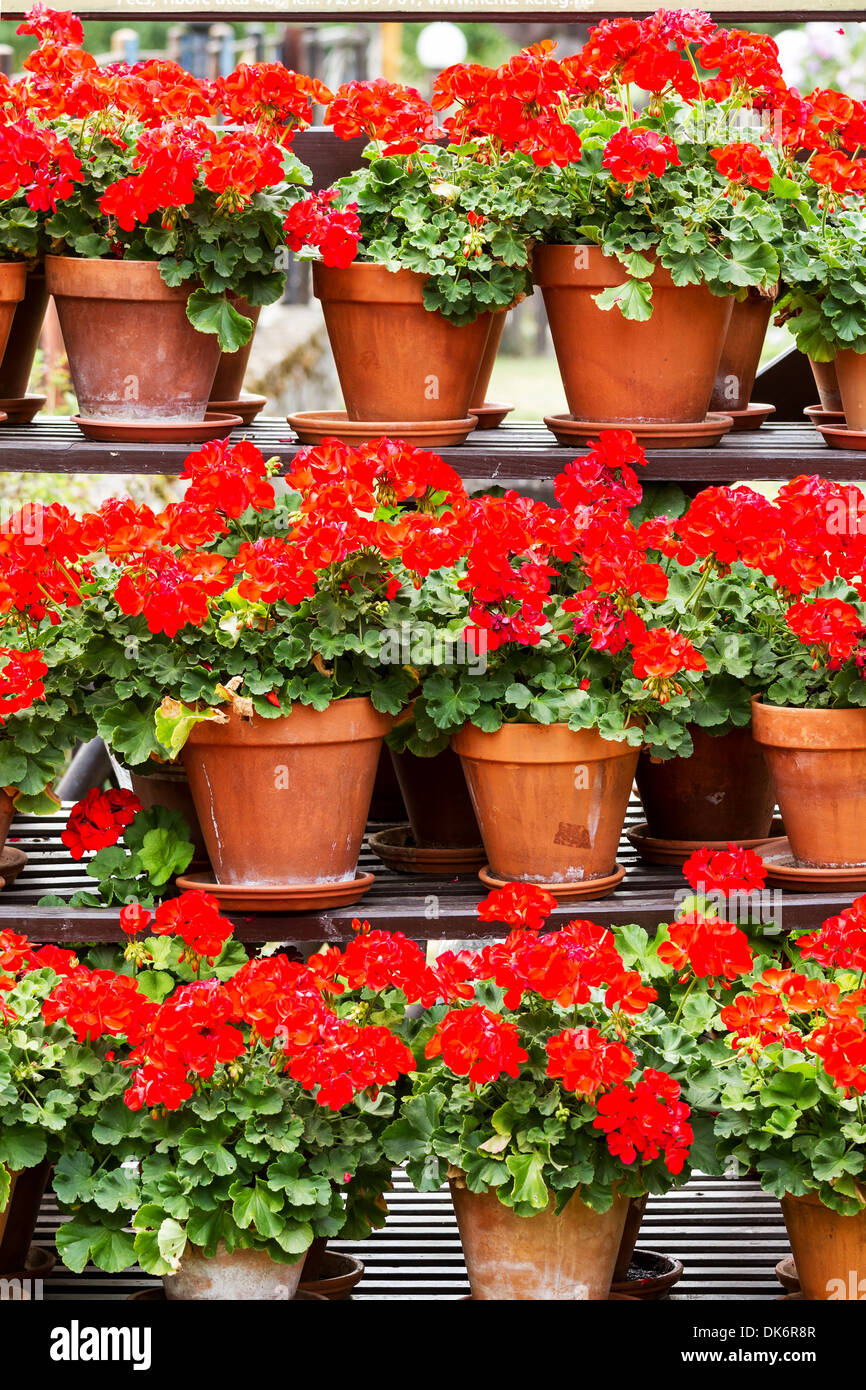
{"x": 21, "y": 680}
{"x": 647, "y": 1119}
{"x": 743, "y": 165}
{"x": 519, "y": 905}
{"x": 36, "y": 162}
{"x": 397, "y": 117}
{"x": 709, "y": 947}
{"x": 840, "y": 943}
{"x": 477, "y": 1044}
{"x": 194, "y": 917}
{"x": 731, "y": 870}
{"x": 347, "y": 1060}
{"x": 316, "y": 222}
{"x": 586, "y": 1062}
{"x": 99, "y": 1003}
{"x": 99, "y": 820}
{"x": 635, "y": 154}
{"x": 270, "y": 95}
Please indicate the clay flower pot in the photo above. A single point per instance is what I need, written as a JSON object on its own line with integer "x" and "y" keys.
{"x": 7, "y": 815}
{"x": 827, "y": 383}
{"x": 437, "y": 800}
{"x": 242, "y": 1274}
{"x": 16, "y": 363}
{"x": 630, "y": 1233}
{"x": 18, "y": 1217}
{"x": 829, "y": 1249}
{"x": 543, "y": 1258}
{"x": 133, "y": 353}
{"x": 166, "y": 784}
{"x": 13, "y": 282}
{"x": 396, "y": 360}
{"x": 817, "y": 762}
{"x": 722, "y": 792}
{"x": 744, "y": 342}
{"x": 550, "y": 801}
{"x": 851, "y": 375}
{"x": 285, "y": 801}
{"x": 229, "y": 380}
{"x": 488, "y": 361}
{"x": 621, "y": 371}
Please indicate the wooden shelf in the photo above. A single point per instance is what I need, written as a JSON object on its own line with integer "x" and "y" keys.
{"x": 512, "y": 452}
{"x": 424, "y": 908}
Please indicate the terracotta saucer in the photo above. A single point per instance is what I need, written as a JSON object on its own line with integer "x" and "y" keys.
{"x": 657, "y": 851}
{"x": 20, "y": 410}
{"x": 650, "y": 1276}
{"x": 611, "y": 1298}
{"x": 490, "y": 414}
{"x": 39, "y": 1265}
{"x": 397, "y": 848}
{"x": 752, "y": 418}
{"x": 786, "y": 1273}
{"x": 312, "y": 426}
{"x": 247, "y": 407}
{"x": 566, "y": 892}
{"x": 819, "y": 416}
{"x": 790, "y": 1298}
{"x": 783, "y": 871}
{"x": 664, "y": 436}
{"x": 3, "y": 418}
{"x": 280, "y": 897}
{"x": 340, "y": 1275}
{"x": 840, "y": 437}
{"x": 213, "y": 426}
{"x": 12, "y": 861}
{"x": 158, "y": 1296}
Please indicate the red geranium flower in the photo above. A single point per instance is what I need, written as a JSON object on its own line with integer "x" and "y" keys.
{"x": 99, "y": 820}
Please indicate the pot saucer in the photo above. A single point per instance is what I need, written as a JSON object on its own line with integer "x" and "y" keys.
{"x": 791, "y": 1297}
{"x": 213, "y": 426}
{"x": 39, "y": 1264}
{"x": 12, "y": 861}
{"x": 312, "y": 426}
{"x": 752, "y": 418}
{"x": 566, "y": 892}
{"x": 650, "y": 1275}
{"x": 819, "y": 416}
{"x": 158, "y": 1296}
{"x": 654, "y": 850}
{"x": 840, "y": 437}
{"x": 611, "y": 1298}
{"x": 396, "y": 847}
{"x": 279, "y": 897}
{"x": 247, "y": 407}
{"x": 20, "y": 410}
{"x": 786, "y": 1273}
{"x": 700, "y": 434}
{"x": 340, "y": 1274}
{"x": 490, "y": 414}
{"x": 783, "y": 871}
{"x": 3, "y": 418}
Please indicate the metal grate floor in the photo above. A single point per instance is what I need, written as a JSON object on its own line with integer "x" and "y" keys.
{"x": 728, "y": 1234}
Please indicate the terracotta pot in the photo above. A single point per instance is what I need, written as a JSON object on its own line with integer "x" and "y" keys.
{"x": 630, "y": 1233}
{"x": 543, "y": 1258}
{"x": 387, "y": 803}
{"x": 550, "y": 801}
{"x": 13, "y": 281}
{"x": 229, "y": 380}
{"x": 722, "y": 792}
{"x": 829, "y": 1249}
{"x": 618, "y": 370}
{"x": 741, "y": 353}
{"x": 7, "y": 815}
{"x": 817, "y": 762}
{"x": 396, "y": 360}
{"x": 16, "y": 363}
{"x": 133, "y": 353}
{"x": 851, "y": 375}
{"x": 18, "y": 1218}
{"x": 827, "y": 383}
{"x": 242, "y": 1274}
{"x": 168, "y": 785}
{"x": 485, "y": 371}
{"x": 437, "y": 800}
{"x": 285, "y": 801}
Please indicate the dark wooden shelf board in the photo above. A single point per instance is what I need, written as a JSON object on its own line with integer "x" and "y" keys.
{"x": 512, "y": 452}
